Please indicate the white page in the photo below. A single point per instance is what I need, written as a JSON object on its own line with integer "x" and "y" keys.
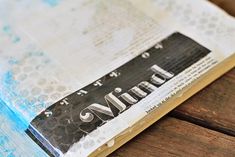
{"x": 50, "y": 50}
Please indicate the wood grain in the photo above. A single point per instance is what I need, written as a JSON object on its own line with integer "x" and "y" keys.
{"x": 173, "y": 137}
{"x": 213, "y": 107}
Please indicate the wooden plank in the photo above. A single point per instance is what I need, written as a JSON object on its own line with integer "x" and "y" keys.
{"x": 213, "y": 107}
{"x": 173, "y": 137}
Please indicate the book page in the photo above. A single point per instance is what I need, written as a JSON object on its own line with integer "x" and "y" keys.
{"x": 78, "y": 73}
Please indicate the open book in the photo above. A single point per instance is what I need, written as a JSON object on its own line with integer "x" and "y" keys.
{"x": 81, "y": 78}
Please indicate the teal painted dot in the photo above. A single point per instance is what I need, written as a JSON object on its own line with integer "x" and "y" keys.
{"x": 11, "y": 153}
{"x": 8, "y": 78}
{"x": 51, "y": 3}
{"x": 7, "y": 29}
{"x": 3, "y": 140}
{"x": 13, "y": 61}
{"x": 16, "y": 39}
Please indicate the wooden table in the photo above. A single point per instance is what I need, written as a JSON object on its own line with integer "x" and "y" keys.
{"x": 202, "y": 126}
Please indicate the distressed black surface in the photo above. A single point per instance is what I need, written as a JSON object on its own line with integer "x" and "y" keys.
{"x": 178, "y": 53}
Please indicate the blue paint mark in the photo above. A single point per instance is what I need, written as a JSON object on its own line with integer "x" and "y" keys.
{"x": 8, "y": 113}
{"x": 13, "y": 61}
{"x": 8, "y": 78}
{"x": 14, "y": 142}
{"x": 51, "y": 3}
{"x": 8, "y": 31}
{"x": 16, "y": 39}
{"x": 19, "y": 115}
{"x": 10, "y": 84}
{"x": 25, "y": 108}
